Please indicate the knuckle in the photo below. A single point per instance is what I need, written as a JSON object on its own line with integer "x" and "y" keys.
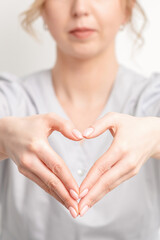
{"x": 91, "y": 202}
{"x": 57, "y": 168}
{"x": 34, "y": 145}
{"x": 121, "y": 149}
{"x": 50, "y": 191}
{"x": 101, "y": 169}
{"x": 124, "y": 147}
{"x": 25, "y": 162}
{"x": 116, "y": 150}
{"x": 132, "y": 165}
{"x": 107, "y": 187}
{"x": 52, "y": 184}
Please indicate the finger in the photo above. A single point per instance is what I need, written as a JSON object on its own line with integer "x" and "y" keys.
{"x": 53, "y": 183}
{"x": 66, "y": 127}
{"x": 56, "y": 164}
{"x": 105, "y": 184}
{"x": 102, "y": 165}
{"x": 39, "y": 182}
{"x": 101, "y": 125}
{"x": 122, "y": 179}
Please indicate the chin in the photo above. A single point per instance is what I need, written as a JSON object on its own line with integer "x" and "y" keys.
{"x": 84, "y": 52}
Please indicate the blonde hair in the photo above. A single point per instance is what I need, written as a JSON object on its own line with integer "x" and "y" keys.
{"x": 30, "y": 15}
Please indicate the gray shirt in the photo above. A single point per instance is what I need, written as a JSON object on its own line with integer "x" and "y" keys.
{"x": 131, "y": 211}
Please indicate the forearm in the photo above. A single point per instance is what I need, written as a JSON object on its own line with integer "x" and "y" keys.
{"x": 156, "y": 138}
{"x": 2, "y": 153}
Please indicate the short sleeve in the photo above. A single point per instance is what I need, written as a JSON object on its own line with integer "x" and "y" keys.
{"x": 149, "y": 100}
{"x": 4, "y": 109}
{"x": 13, "y": 97}
{"x": 8, "y": 93}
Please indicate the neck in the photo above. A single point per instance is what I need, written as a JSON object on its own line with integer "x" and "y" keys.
{"x": 85, "y": 82}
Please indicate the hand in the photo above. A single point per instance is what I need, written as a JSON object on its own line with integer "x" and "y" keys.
{"x": 132, "y": 146}
{"x": 25, "y": 142}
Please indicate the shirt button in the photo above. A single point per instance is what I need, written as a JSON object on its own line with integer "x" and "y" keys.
{"x": 80, "y": 172}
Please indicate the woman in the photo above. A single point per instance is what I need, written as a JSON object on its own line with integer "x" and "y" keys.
{"x": 116, "y": 173}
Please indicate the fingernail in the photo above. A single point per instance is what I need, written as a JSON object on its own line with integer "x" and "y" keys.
{"x": 84, "y": 210}
{"x": 88, "y": 131}
{"x": 83, "y": 193}
{"x": 77, "y": 133}
{"x": 73, "y": 212}
{"x": 74, "y": 194}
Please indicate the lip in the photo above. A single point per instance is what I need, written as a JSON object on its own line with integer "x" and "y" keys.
{"x": 82, "y": 33}
{"x": 82, "y": 29}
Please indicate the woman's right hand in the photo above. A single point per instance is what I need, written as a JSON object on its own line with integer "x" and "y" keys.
{"x": 25, "y": 141}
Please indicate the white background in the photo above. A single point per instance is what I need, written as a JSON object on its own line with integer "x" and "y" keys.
{"x": 20, "y": 54}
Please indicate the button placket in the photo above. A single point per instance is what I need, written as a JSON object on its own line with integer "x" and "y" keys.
{"x": 81, "y": 172}
{"x": 84, "y": 158}
{"x": 78, "y": 167}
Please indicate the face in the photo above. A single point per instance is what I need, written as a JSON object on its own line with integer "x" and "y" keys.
{"x": 104, "y": 16}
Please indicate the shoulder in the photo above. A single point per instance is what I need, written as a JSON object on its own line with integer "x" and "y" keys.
{"x": 11, "y": 83}
{"x": 36, "y": 81}
{"x": 137, "y": 82}
{"x": 141, "y": 93}
{"x": 150, "y": 96}
{"x": 131, "y": 77}
{"x": 12, "y": 79}
{"x": 21, "y": 93}
{"x": 9, "y": 88}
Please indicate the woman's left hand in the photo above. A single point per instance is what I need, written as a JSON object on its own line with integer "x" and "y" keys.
{"x": 135, "y": 139}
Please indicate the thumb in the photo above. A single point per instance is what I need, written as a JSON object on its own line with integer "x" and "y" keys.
{"x": 109, "y": 121}
{"x": 64, "y": 126}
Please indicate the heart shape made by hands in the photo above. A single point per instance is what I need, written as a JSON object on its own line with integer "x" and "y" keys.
{"x": 128, "y": 151}
{"x": 91, "y": 132}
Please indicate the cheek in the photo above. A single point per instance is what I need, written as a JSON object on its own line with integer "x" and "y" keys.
{"x": 56, "y": 19}
{"x": 111, "y": 18}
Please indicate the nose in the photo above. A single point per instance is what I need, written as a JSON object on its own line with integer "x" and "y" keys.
{"x": 80, "y": 8}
